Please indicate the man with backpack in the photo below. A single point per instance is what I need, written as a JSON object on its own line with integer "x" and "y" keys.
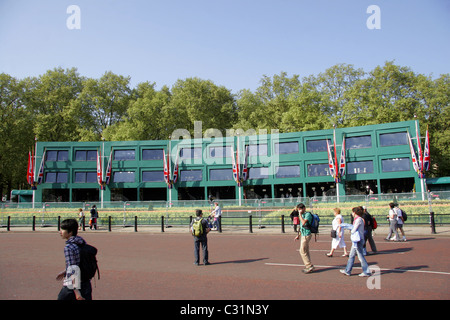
{"x": 76, "y": 284}
{"x": 199, "y": 229}
{"x": 305, "y": 235}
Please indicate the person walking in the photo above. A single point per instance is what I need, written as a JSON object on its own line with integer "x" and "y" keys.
{"x": 94, "y": 217}
{"x": 217, "y": 212}
{"x": 357, "y": 245}
{"x": 368, "y": 228}
{"x": 400, "y": 222}
{"x": 305, "y": 237}
{"x": 73, "y": 287}
{"x": 200, "y": 229}
{"x": 295, "y": 219}
{"x": 338, "y": 241}
{"x": 80, "y": 218}
{"x": 392, "y": 217}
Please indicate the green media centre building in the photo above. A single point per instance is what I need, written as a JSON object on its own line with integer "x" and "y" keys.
{"x": 378, "y": 160}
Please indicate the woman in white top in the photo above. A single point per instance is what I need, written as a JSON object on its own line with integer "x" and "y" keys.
{"x": 339, "y": 240}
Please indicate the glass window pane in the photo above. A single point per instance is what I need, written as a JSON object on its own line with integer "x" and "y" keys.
{"x": 393, "y": 139}
{"x": 191, "y": 175}
{"x": 286, "y": 147}
{"x": 316, "y": 145}
{"x": 80, "y": 177}
{"x": 220, "y": 152}
{"x": 220, "y": 174}
{"x": 52, "y": 155}
{"x": 91, "y": 155}
{"x": 124, "y": 176}
{"x": 317, "y": 170}
{"x": 50, "y": 177}
{"x": 124, "y": 154}
{"x": 259, "y": 173}
{"x": 257, "y": 150}
{"x": 153, "y": 176}
{"x": 288, "y": 172}
{"x": 397, "y": 164}
{"x": 80, "y": 155}
{"x": 62, "y": 177}
{"x": 358, "y": 142}
{"x": 191, "y": 153}
{"x": 152, "y": 154}
{"x": 63, "y": 155}
{"x": 91, "y": 177}
{"x": 360, "y": 167}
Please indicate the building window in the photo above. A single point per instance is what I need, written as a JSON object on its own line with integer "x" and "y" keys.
{"x": 57, "y": 155}
{"x": 56, "y": 177}
{"x": 259, "y": 173}
{"x": 220, "y": 174}
{"x": 86, "y": 155}
{"x": 152, "y": 154}
{"x": 191, "y": 153}
{"x": 393, "y": 139}
{"x": 360, "y": 167}
{"x": 152, "y": 176}
{"x": 288, "y": 172}
{"x": 318, "y": 170}
{"x": 123, "y": 155}
{"x": 257, "y": 150}
{"x": 286, "y": 147}
{"x": 316, "y": 146}
{"x": 85, "y": 177}
{"x": 220, "y": 152}
{"x": 191, "y": 175}
{"x": 124, "y": 176}
{"x": 394, "y": 165}
{"x": 358, "y": 142}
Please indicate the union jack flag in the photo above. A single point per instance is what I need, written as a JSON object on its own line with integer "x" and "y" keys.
{"x": 30, "y": 169}
{"x": 109, "y": 169}
{"x": 166, "y": 167}
{"x": 41, "y": 170}
{"x": 331, "y": 167}
{"x": 426, "y": 153}
{"x": 235, "y": 160}
{"x": 175, "y": 171}
{"x": 99, "y": 170}
{"x": 342, "y": 160}
{"x": 413, "y": 155}
{"x": 245, "y": 168}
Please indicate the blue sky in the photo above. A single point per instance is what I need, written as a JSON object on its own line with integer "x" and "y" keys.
{"x": 233, "y": 43}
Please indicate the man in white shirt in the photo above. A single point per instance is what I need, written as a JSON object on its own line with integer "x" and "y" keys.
{"x": 400, "y": 222}
{"x": 392, "y": 217}
{"x": 217, "y": 216}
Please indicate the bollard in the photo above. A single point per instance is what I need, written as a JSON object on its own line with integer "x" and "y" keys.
{"x": 250, "y": 227}
{"x": 220, "y": 224}
{"x": 34, "y": 224}
{"x": 8, "y": 226}
{"x": 162, "y": 223}
{"x": 83, "y": 223}
{"x": 109, "y": 223}
{"x": 432, "y": 223}
{"x": 59, "y": 223}
{"x": 282, "y": 223}
{"x": 135, "y": 223}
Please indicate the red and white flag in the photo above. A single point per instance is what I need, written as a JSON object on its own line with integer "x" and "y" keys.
{"x": 426, "y": 153}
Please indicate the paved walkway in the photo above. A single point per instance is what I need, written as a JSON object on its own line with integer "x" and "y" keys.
{"x": 410, "y": 230}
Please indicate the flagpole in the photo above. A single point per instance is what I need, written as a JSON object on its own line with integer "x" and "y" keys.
{"x": 239, "y": 172}
{"x": 101, "y": 168}
{"x": 34, "y": 171}
{"x": 421, "y": 176}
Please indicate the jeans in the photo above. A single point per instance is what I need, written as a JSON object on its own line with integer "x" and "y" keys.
{"x": 68, "y": 294}
{"x": 393, "y": 229}
{"x": 357, "y": 250}
{"x": 204, "y": 243}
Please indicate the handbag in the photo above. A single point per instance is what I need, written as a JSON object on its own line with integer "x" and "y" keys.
{"x": 355, "y": 237}
{"x": 333, "y": 234}
{"x": 296, "y": 220}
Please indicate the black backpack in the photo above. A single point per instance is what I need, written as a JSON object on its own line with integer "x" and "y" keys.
{"x": 88, "y": 262}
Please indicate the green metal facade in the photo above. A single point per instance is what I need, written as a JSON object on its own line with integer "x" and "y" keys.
{"x": 371, "y": 164}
